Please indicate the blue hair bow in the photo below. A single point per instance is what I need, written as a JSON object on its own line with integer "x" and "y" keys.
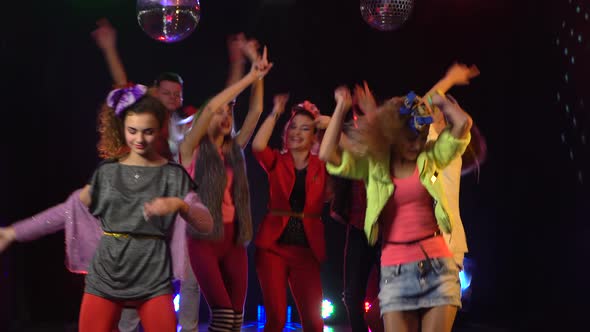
{"x": 420, "y": 113}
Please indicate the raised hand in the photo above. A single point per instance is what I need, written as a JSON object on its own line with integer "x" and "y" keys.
{"x": 7, "y": 236}
{"x": 235, "y": 44}
{"x": 261, "y": 67}
{"x": 280, "y": 101}
{"x": 461, "y": 74}
{"x": 343, "y": 97}
{"x": 105, "y": 35}
{"x": 365, "y": 99}
{"x": 250, "y": 50}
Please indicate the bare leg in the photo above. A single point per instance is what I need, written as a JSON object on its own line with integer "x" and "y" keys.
{"x": 439, "y": 319}
{"x": 402, "y": 321}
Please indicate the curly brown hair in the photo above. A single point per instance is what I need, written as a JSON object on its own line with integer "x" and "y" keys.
{"x": 112, "y": 143}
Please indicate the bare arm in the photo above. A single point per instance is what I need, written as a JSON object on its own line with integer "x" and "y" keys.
{"x": 329, "y": 148}
{"x": 457, "y": 74}
{"x": 254, "y": 111}
{"x": 199, "y": 130}
{"x": 240, "y": 49}
{"x": 106, "y": 39}
{"x": 459, "y": 121}
{"x": 250, "y": 51}
{"x": 200, "y": 127}
{"x": 235, "y": 44}
{"x": 264, "y": 133}
{"x": 85, "y": 195}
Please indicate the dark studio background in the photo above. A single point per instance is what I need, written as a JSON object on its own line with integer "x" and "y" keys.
{"x": 526, "y": 219}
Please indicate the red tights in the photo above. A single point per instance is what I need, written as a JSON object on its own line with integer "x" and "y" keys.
{"x": 98, "y": 314}
{"x": 300, "y": 269}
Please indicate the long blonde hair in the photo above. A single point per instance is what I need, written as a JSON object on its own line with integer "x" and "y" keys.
{"x": 375, "y": 132}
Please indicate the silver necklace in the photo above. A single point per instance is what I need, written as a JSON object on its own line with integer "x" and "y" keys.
{"x": 137, "y": 173}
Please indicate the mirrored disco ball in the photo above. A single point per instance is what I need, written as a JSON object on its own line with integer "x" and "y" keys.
{"x": 168, "y": 21}
{"x": 386, "y": 15}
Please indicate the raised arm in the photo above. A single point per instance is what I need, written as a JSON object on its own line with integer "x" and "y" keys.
{"x": 457, "y": 74}
{"x": 199, "y": 130}
{"x": 247, "y": 49}
{"x": 459, "y": 121}
{"x": 240, "y": 49}
{"x": 265, "y": 132}
{"x": 106, "y": 39}
{"x": 329, "y": 148}
{"x": 235, "y": 46}
{"x": 254, "y": 111}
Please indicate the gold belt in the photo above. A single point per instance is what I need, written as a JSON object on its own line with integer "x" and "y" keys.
{"x": 300, "y": 215}
{"x": 127, "y": 235}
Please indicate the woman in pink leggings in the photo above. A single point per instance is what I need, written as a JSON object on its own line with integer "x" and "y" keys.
{"x": 213, "y": 156}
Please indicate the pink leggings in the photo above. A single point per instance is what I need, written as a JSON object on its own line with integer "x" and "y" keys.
{"x": 98, "y": 314}
{"x": 221, "y": 268}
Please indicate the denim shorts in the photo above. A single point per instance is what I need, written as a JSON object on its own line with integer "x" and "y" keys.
{"x": 424, "y": 284}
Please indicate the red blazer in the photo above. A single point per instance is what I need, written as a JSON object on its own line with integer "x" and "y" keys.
{"x": 281, "y": 178}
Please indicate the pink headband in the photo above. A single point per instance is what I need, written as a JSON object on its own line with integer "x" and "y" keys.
{"x": 307, "y": 106}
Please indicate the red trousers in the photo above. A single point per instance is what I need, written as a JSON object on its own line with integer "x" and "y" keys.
{"x": 221, "y": 268}
{"x": 300, "y": 269}
{"x": 98, "y": 314}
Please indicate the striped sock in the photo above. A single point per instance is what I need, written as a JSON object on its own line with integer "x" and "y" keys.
{"x": 238, "y": 320}
{"x": 222, "y": 320}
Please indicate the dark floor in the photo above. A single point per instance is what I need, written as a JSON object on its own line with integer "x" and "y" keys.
{"x": 252, "y": 327}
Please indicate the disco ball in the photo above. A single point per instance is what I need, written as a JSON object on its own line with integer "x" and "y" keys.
{"x": 386, "y": 15}
{"x": 168, "y": 21}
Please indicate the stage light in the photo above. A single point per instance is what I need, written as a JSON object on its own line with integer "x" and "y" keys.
{"x": 327, "y": 309}
{"x": 260, "y": 314}
{"x": 367, "y": 306}
{"x": 465, "y": 280}
{"x": 176, "y": 302}
{"x": 289, "y": 314}
{"x": 465, "y": 277}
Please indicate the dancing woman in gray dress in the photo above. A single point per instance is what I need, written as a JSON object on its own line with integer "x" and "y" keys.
{"x": 136, "y": 195}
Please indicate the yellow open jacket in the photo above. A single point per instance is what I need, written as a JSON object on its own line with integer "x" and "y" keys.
{"x": 377, "y": 177}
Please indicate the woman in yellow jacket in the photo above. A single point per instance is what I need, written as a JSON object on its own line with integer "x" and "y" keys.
{"x": 419, "y": 279}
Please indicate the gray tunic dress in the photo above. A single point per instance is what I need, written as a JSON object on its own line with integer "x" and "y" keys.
{"x": 132, "y": 261}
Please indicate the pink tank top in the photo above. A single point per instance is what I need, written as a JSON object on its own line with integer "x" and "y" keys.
{"x": 409, "y": 216}
{"x": 228, "y": 210}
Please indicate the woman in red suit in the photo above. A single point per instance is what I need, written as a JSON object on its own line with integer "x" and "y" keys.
{"x": 290, "y": 241}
